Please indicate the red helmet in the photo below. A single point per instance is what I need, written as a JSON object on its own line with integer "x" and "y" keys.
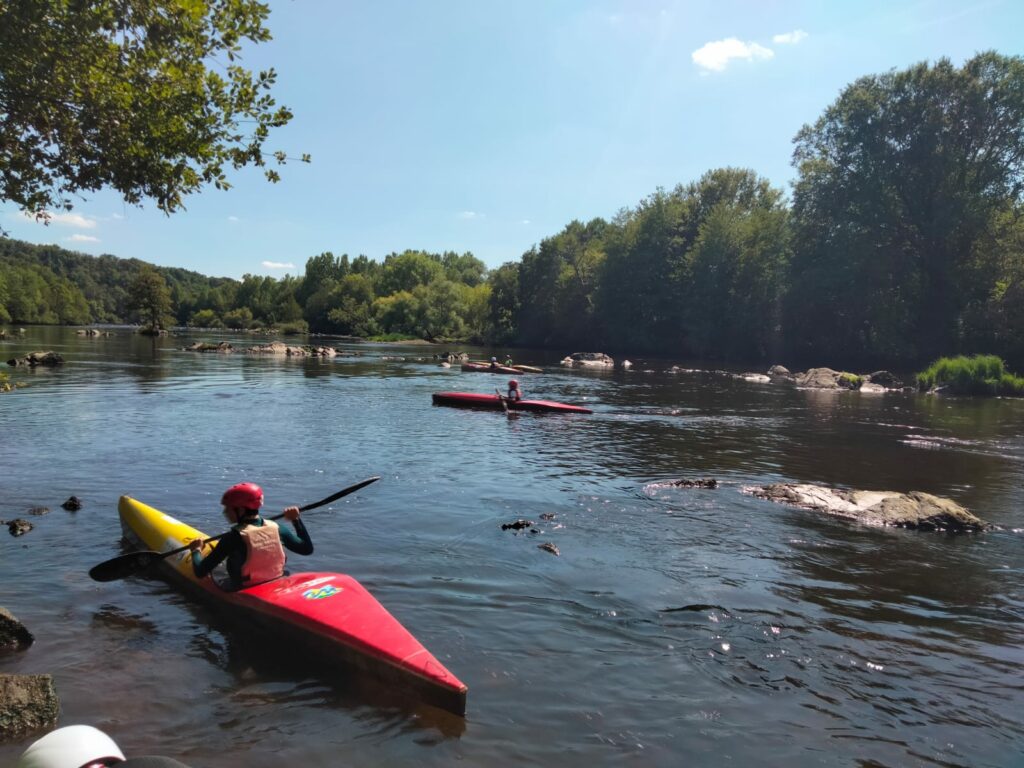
{"x": 246, "y": 495}
{"x": 513, "y": 384}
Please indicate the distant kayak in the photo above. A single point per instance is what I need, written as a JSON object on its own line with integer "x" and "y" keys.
{"x": 506, "y": 368}
{"x": 329, "y": 614}
{"x": 528, "y": 368}
{"x": 486, "y": 368}
{"x": 477, "y": 400}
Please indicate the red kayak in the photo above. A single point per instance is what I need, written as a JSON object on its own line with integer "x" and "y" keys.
{"x": 330, "y": 615}
{"x": 486, "y": 368}
{"x": 476, "y": 400}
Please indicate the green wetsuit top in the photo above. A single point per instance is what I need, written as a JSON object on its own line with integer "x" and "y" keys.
{"x": 232, "y": 548}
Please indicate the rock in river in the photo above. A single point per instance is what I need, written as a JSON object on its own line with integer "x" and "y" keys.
{"x": 889, "y": 508}
{"x": 18, "y": 526}
{"x": 14, "y": 636}
{"x": 32, "y": 359}
{"x": 27, "y": 703}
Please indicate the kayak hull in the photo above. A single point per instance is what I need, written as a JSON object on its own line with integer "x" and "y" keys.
{"x": 331, "y": 614}
{"x": 478, "y": 400}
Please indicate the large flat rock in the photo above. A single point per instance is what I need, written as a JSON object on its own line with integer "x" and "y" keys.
{"x": 916, "y": 509}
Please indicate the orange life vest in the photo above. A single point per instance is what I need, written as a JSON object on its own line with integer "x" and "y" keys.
{"x": 264, "y": 555}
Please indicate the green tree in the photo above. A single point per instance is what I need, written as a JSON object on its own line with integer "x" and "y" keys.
{"x": 150, "y": 296}
{"x": 147, "y": 98}
{"x": 239, "y": 319}
{"x": 205, "y": 318}
{"x": 463, "y": 268}
{"x": 900, "y": 183}
{"x": 503, "y": 304}
{"x": 404, "y": 271}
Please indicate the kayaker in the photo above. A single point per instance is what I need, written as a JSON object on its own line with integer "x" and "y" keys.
{"x": 494, "y": 363}
{"x": 82, "y": 746}
{"x": 253, "y": 546}
{"x": 508, "y": 361}
{"x": 514, "y": 393}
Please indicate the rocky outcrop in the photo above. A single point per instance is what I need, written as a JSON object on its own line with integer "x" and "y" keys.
{"x": 91, "y": 332}
{"x": 32, "y": 359}
{"x": 885, "y": 379}
{"x": 14, "y": 636}
{"x": 223, "y": 347}
{"x": 918, "y": 510}
{"x": 779, "y": 370}
{"x": 280, "y": 348}
{"x": 826, "y": 378}
{"x": 588, "y": 360}
{"x": 28, "y": 703}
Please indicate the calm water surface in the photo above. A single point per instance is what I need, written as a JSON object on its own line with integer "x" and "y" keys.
{"x": 821, "y": 644}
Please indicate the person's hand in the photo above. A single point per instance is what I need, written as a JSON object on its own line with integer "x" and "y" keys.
{"x": 196, "y": 544}
{"x": 291, "y": 514}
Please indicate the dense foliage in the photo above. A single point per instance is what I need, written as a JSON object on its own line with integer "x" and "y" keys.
{"x": 144, "y": 97}
{"x": 904, "y": 240}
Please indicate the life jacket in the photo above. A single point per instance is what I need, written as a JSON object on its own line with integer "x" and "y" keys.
{"x": 264, "y": 555}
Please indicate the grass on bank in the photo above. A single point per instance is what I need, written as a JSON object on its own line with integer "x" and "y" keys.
{"x": 976, "y": 375}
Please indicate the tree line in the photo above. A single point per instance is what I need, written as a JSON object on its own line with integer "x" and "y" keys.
{"x": 903, "y": 240}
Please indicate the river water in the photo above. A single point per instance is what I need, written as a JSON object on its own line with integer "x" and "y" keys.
{"x": 805, "y": 641}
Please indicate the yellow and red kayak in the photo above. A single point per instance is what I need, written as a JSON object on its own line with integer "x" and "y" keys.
{"x": 329, "y": 612}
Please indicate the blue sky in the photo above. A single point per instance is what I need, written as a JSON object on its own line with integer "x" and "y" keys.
{"x": 477, "y": 126}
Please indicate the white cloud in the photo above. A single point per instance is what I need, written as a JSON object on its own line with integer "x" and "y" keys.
{"x": 233, "y": 219}
{"x": 715, "y": 56}
{"x": 66, "y": 219}
{"x": 526, "y": 221}
{"x": 790, "y": 38}
{"x": 469, "y": 215}
{"x": 277, "y": 265}
{"x": 82, "y": 239}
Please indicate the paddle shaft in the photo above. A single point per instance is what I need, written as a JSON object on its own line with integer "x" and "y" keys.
{"x": 504, "y": 404}
{"x": 314, "y": 505}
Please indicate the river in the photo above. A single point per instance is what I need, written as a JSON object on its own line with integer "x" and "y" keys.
{"x": 818, "y": 643}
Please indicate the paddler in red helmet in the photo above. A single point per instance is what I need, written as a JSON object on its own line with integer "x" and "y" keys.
{"x": 253, "y": 548}
{"x": 514, "y": 393}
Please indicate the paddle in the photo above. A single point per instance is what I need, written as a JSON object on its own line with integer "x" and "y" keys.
{"x": 133, "y": 562}
{"x": 504, "y": 404}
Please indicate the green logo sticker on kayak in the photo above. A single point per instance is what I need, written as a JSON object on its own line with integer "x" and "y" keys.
{"x": 321, "y": 592}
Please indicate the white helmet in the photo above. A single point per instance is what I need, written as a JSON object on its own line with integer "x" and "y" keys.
{"x": 71, "y": 747}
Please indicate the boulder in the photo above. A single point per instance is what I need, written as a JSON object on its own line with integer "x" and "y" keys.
{"x": 588, "y": 360}
{"x": 19, "y": 527}
{"x": 885, "y": 379}
{"x": 223, "y": 347}
{"x": 32, "y": 359}
{"x": 779, "y": 370}
{"x": 14, "y": 636}
{"x": 73, "y": 504}
{"x": 916, "y": 509}
{"x": 28, "y": 703}
{"x": 826, "y": 378}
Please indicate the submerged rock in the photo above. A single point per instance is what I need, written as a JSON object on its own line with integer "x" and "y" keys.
{"x": 518, "y": 525}
{"x": 223, "y": 347}
{"x": 14, "y": 636}
{"x": 19, "y": 527}
{"x": 38, "y": 511}
{"x": 27, "y": 703}
{"x": 32, "y": 359}
{"x": 73, "y": 504}
{"x": 588, "y": 360}
{"x": 916, "y": 509}
{"x": 547, "y": 546}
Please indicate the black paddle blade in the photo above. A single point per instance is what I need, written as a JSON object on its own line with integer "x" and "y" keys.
{"x": 125, "y": 565}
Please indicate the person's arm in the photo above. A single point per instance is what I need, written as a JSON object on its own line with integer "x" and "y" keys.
{"x": 203, "y": 566}
{"x": 297, "y": 541}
